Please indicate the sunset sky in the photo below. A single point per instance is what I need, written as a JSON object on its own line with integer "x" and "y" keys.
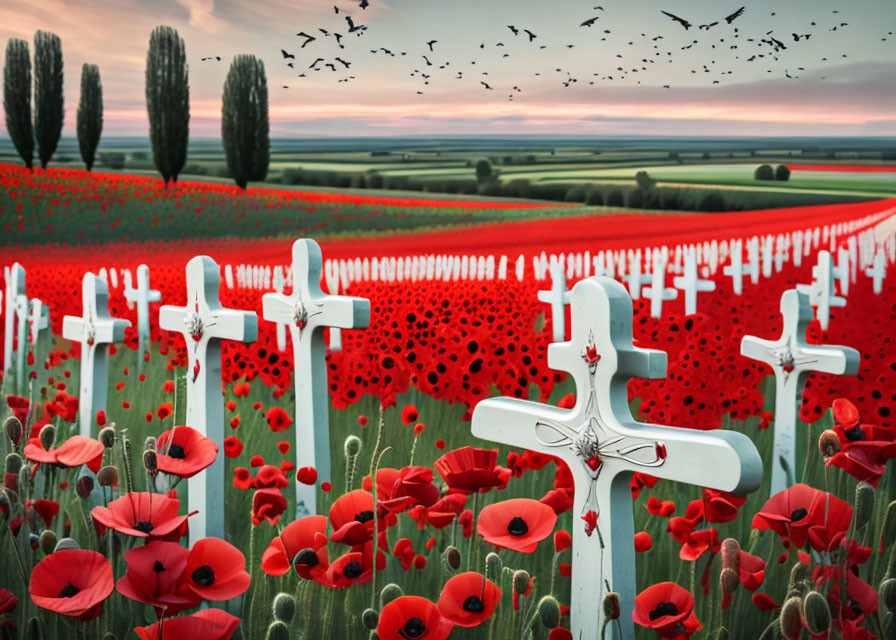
{"x": 853, "y": 92}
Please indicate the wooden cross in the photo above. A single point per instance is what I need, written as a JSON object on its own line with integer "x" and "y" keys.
{"x": 603, "y": 445}
{"x": 792, "y": 358}
{"x": 204, "y": 323}
{"x": 306, "y": 312}
{"x": 558, "y": 297}
{"x": 691, "y": 283}
{"x": 95, "y": 330}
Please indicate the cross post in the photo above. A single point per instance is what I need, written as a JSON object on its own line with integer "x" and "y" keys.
{"x": 691, "y": 283}
{"x": 558, "y": 297}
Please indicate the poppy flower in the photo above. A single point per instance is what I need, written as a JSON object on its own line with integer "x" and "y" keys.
{"x": 215, "y": 570}
{"x": 153, "y": 576}
{"x": 560, "y": 500}
{"x": 864, "y": 451}
{"x": 208, "y": 624}
{"x": 309, "y": 532}
{"x": 20, "y": 408}
{"x": 441, "y": 514}
{"x": 470, "y": 469}
{"x": 143, "y": 515}
{"x": 46, "y": 509}
{"x": 519, "y": 524}
{"x": 412, "y": 617}
{"x": 233, "y": 447}
{"x": 306, "y": 475}
{"x": 269, "y": 477}
{"x": 351, "y": 568}
{"x": 267, "y": 504}
{"x": 74, "y": 452}
{"x": 351, "y": 517}
{"x": 278, "y": 419}
{"x": 719, "y": 506}
{"x": 468, "y": 599}
{"x": 73, "y": 582}
{"x": 184, "y": 452}
{"x": 668, "y": 609}
{"x": 7, "y": 601}
{"x": 800, "y": 513}
{"x": 409, "y": 414}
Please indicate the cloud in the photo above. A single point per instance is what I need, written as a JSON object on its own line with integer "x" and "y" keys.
{"x": 202, "y": 14}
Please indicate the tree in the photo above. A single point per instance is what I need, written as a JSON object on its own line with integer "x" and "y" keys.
{"x": 49, "y": 107}
{"x": 90, "y": 113}
{"x": 168, "y": 101}
{"x": 17, "y": 98}
{"x": 764, "y": 172}
{"x": 644, "y": 181}
{"x": 483, "y": 169}
{"x": 782, "y": 173}
{"x": 244, "y": 120}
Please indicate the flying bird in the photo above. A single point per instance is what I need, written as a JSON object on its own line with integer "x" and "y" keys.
{"x": 430, "y": 43}
{"x": 516, "y": 31}
{"x": 335, "y": 9}
{"x": 734, "y": 16}
{"x": 485, "y": 84}
{"x": 531, "y": 35}
{"x": 346, "y": 64}
{"x": 314, "y": 64}
{"x": 286, "y": 55}
{"x": 308, "y": 38}
{"x": 364, "y": 4}
{"x": 684, "y": 23}
{"x": 590, "y": 21}
{"x": 351, "y": 25}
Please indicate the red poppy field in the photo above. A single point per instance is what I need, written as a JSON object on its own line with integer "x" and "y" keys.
{"x": 425, "y": 531}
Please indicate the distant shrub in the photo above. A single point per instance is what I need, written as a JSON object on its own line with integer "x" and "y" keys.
{"x": 712, "y": 201}
{"x": 374, "y": 181}
{"x": 291, "y": 176}
{"x": 575, "y": 193}
{"x": 517, "y": 188}
{"x": 764, "y": 172}
{"x": 112, "y": 160}
{"x": 782, "y": 173}
{"x": 483, "y": 169}
{"x": 615, "y": 198}
{"x": 644, "y": 181}
{"x": 594, "y": 197}
{"x": 195, "y": 169}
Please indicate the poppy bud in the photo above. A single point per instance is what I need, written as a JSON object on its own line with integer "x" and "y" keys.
{"x": 790, "y": 621}
{"x": 14, "y": 429}
{"x": 887, "y": 592}
{"x": 66, "y": 543}
{"x": 277, "y": 631}
{"x": 34, "y": 630}
{"x": 888, "y": 534}
{"x": 549, "y": 612}
{"x": 107, "y": 436}
{"x": 47, "y": 436}
{"x": 612, "y": 608}
{"x": 798, "y": 576}
{"x": 25, "y": 477}
{"x": 729, "y": 580}
{"x": 451, "y": 557}
{"x": 13, "y": 463}
{"x": 816, "y": 613}
{"x": 84, "y": 487}
{"x": 828, "y": 443}
{"x": 389, "y": 593}
{"x": 730, "y": 554}
{"x": 864, "y": 504}
{"x": 110, "y": 636}
{"x": 149, "y": 443}
{"x": 370, "y": 618}
{"x": 722, "y": 634}
{"x": 352, "y": 446}
{"x": 521, "y": 581}
{"x": 47, "y": 541}
{"x": 107, "y": 476}
{"x": 493, "y": 567}
{"x": 284, "y": 607}
{"x": 150, "y": 461}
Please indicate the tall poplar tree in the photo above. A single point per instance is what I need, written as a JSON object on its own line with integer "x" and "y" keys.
{"x": 90, "y": 113}
{"x": 49, "y": 107}
{"x": 245, "y": 128}
{"x": 168, "y": 101}
{"x": 17, "y": 98}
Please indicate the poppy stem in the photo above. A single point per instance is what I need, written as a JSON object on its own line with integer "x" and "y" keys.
{"x": 470, "y": 546}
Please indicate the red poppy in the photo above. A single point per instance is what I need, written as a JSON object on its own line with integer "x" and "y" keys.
{"x": 278, "y": 419}
{"x": 309, "y": 532}
{"x": 267, "y": 504}
{"x": 441, "y": 514}
{"x": 153, "y": 576}
{"x": 468, "y": 599}
{"x": 306, "y": 475}
{"x": 668, "y": 609}
{"x": 764, "y": 602}
{"x": 412, "y": 617}
{"x": 801, "y": 513}
{"x": 270, "y": 477}
{"x": 643, "y": 542}
{"x": 353, "y": 568}
{"x": 560, "y": 500}
{"x": 680, "y": 527}
{"x": 215, "y": 570}
{"x": 864, "y": 450}
{"x": 143, "y": 515}
{"x": 409, "y": 414}
{"x": 20, "y": 408}
{"x": 351, "y": 517}
{"x": 74, "y": 452}
{"x": 46, "y": 509}
{"x": 208, "y": 624}
{"x": 73, "y": 582}
{"x": 233, "y": 447}
{"x": 7, "y": 601}
{"x": 412, "y": 486}
{"x": 470, "y": 469}
{"x": 519, "y": 524}
{"x": 184, "y": 452}
{"x": 660, "y": 508}
{"x": 719, "y": 506}
{"x": 698, "y": 543}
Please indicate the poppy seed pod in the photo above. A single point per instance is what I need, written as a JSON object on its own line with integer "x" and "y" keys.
{"x": 798, "y": 576}
{"x": 521, "y": 581}
{"x": 47, "y": 541}
{"x": 389, "y": 593}
{"x": 284, "y": 607}
{"x": 110, "y": 636}
{"x": 34, "y": 629}
{"x": 84, "y": 487}
{"x": 887, "y": 593}
{"x": 549, "y": 612}
{"x": 13, "y": 463}
{"x": 451, "y": 557}
{"x": 47, "y": 436}
{"x": 14, "y": 429}
{"x": 493, "y": 567}
{"x": 612, "y": 609}
{"x": 828, "y": 443}
{"x": 730, "y": 554}
{"x": 149, "y": 443}
{"x": 150, "y": 461}
{"x": 277, "y": 631}
{"x": 729, "y": 580}
{"x": 352, "y": 446}
{"x": 722, "y": 634}
{"x": 816, "y": 613}
{"x": 66, "y": 543}
{"x": 107, "y": 436}
{"x": 370, "y": 618}
{"x": 790, "y": 621}
{"x": 107, "y": 476}
{"x": 888, "y": 534}
{"x": 25, "y": 476}
{"x": 864, "y": 504}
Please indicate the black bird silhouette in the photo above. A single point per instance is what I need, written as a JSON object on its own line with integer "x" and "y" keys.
{"x": 684, "y": 23}
{"x": 364, "y": 4}
{"x": 485, "y": 84}
{"x": 338, "y": 37}
{"x": 805, "y": 36}
{"x": 323, "y": 31}
{"x": 286, "y": 55}
{"x": 314, "y": 64}
{"x": 351, "y": 25}
{"x": 531, "y": 35}
{"x": 331, "y": 65}
{"x": 346, "y": 64}
{"x": 430, "y": 43}
{"x": 734, "y": 16}
{"x": 428, "y": 63}
{"x": 290, "y": 65}
{"x": 516, "y": 31}
{"x": 308, "y": 38}
{"x": 218, "y": 58}
{"x": 708, "y": 26}
{"x": 335, "y": 9}
{"x": 590, "y": 21}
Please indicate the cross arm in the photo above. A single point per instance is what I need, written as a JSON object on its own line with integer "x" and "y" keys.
{"x": 171, "y": 318}
{"x": 72, "y": 327}
{"x": 277, "y": 307}
{"x": 757, "y": 348}
{"x": 512, "y": 422}
{"x": 837, "y": 360}
{"x": 346, "y": 312}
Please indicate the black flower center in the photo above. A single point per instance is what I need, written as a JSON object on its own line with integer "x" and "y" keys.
{"x": 855, "y": 434}
{"x": 664, "y": 609}
{"x": 352, "y": 570}
{"x": 204, "y": 575}
{"x": 473, "y": 605}
{"x": 158, "y": 567}
{"x": 68, "y": 591}
{"x": 307, "y": 558}
{"x": 798, "y": 515}
{"x": 176, "y": 451}
{"x": 517, "y": 527}
{"x": 144, "y": 525}
{"x": 364, "y": 516}
{"x": 413, "y": 628}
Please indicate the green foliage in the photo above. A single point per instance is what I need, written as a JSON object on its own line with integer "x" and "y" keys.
{"x": 113, "y": 160}
{"x": 712, "y": 201}
{"x": 49, "y": 107}
{"x": 17, "y": 98}
{"x": 483, "y": 169}
{"x": 90, "y": 113}
{"x": 244, "y": 120}
{"x": 168, "y": 101}
{"x": 644, "y": 181}
{"x": 782, "y": 173}
{"x": 764, "y": 172}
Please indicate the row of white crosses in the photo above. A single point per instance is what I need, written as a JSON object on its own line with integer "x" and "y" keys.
{"x": 26, "y": 325}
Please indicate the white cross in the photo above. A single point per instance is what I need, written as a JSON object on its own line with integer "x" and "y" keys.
{"x": 603, "y": 445}
{"x": 691, "y": 283}
{"x": 634, "y": 278}
{"x": 791, "y": 359}
{"x": 306, "y": 312}
{"x": 878, "y": 270}
{"x": 736, "y": 268}
{"x": 842, "y": 270}
{"x": 279, "y": 285}
{"x": 821, "y": 291}
{"x": 141, "y": 296}
{"x": 39, "y": 333}
{"x": 95, "y": 330}
{"x": 658, "y": 292}
{"x": 558, "y": 297}
{"x": 204, "y": 323}
{"x": 21, "y": 329}
{"x": 335, "y": 333}
{"x": 15, "y": 287}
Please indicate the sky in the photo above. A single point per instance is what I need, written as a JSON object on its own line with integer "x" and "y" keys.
{"x": 635, "y": 71}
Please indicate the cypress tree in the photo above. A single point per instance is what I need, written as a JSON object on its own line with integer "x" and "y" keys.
{"x": 168, "y": 101}
{"x": 49, "y": 107}
{"x": 17, "y": 98}
{"x": 90, "y": 113}
{"x": 244, "y": 120}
